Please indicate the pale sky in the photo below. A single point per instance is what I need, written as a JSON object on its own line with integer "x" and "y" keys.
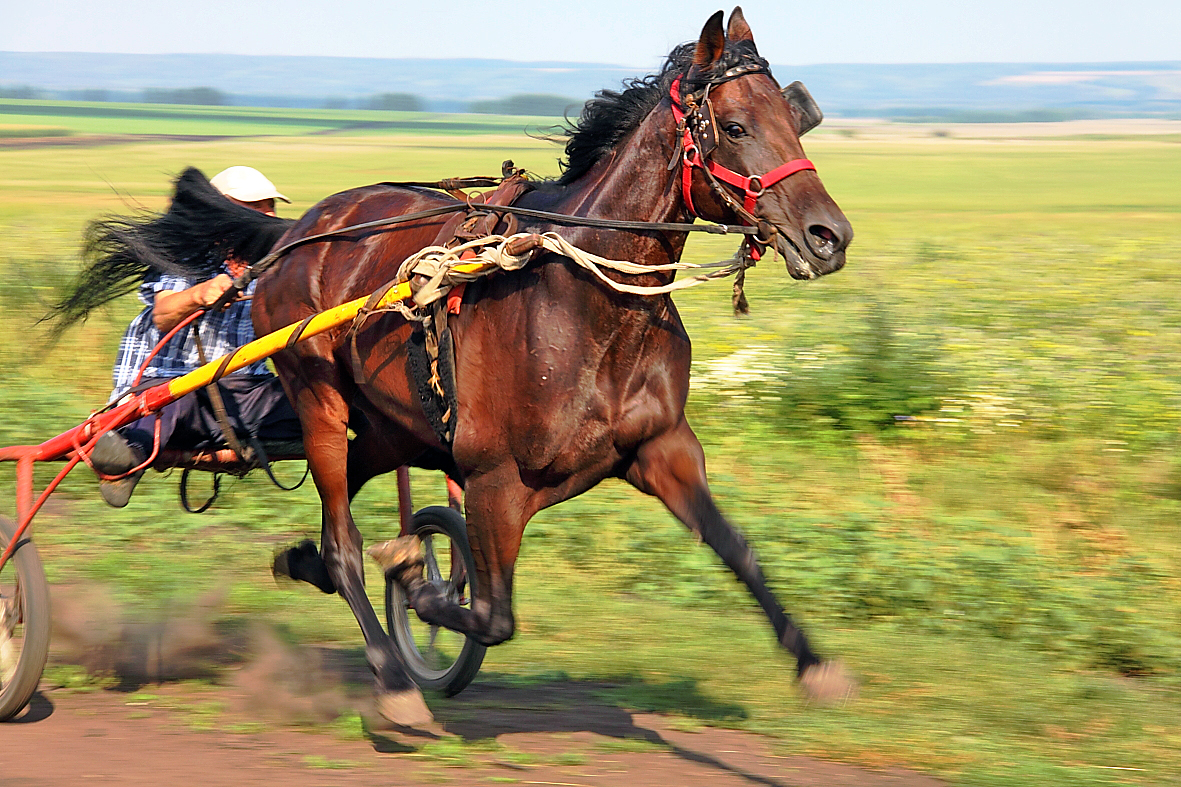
{"x": 624, "y": 32}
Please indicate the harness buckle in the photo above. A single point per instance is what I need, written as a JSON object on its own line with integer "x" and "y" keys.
{"x": 750, "y": 187}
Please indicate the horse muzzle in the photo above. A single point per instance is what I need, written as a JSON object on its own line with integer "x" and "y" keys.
{"x": 819, "y": 252}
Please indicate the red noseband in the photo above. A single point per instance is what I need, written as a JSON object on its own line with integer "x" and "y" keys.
{"x": 752, "y": 186}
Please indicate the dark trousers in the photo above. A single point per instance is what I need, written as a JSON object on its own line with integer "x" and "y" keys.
{"x": 255, "y": 405}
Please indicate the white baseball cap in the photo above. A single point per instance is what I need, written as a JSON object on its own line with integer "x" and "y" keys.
{"x": 245, "y": 184}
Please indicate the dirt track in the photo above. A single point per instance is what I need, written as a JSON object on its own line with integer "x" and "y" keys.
{"x": 287, "y": 714}
{"x": 555, "y": 734}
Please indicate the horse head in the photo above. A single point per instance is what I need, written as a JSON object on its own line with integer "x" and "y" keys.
{"x": 739, "y": 140}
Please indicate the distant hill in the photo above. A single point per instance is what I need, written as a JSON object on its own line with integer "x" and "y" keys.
{"x": 954, "y": 91}
{"x": 965, "y": 89}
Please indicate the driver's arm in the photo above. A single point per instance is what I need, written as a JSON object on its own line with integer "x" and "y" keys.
{"x": 170, "y": 308}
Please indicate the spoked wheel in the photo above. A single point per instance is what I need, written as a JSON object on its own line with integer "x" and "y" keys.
{"x": 24, "y": 624}
{"x": 438, "y": 658}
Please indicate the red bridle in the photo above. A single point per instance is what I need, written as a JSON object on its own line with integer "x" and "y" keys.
{"x": 752, "y": 186}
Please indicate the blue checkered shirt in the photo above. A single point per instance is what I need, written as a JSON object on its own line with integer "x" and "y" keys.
{"x": 220, "y": 333}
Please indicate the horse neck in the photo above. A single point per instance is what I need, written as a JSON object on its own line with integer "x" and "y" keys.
{"x": 632, "y": 183}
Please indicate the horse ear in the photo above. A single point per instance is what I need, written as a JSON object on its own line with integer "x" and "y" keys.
{"x": 711, "y": 44}
{"x": 738, "y": 29}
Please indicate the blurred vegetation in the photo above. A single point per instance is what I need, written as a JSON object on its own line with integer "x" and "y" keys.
{"x": 957, "y": 458}
{"x": 198, "y": 96}
{"x": 396, "y": 102}
{"x": 19, "y": 91}
{"x": 124, "y": 118}
{"x": 528, "y": 104}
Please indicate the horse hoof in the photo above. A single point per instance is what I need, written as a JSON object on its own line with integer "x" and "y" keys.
{"x": 828, "y": 683}
{"x": 302, "y": 562}
{"x": 404, "y": 708}
{"x": 397, "y": 553}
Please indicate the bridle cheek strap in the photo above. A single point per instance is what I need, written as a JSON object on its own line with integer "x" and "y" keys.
{"x": 752, "y": 186}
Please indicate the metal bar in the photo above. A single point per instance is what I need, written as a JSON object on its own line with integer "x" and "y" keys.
{"x": 405, "y": 505}
{"x": 24, "y": 486}
{"x": 27, "y": 520}
{"x": 153, "y": 399}
{"x": 454, "y": 495}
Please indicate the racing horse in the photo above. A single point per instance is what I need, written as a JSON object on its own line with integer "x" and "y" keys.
{"x": 561, "y": 381}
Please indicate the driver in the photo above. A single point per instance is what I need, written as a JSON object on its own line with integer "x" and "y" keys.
{"x": 254, "y": 400}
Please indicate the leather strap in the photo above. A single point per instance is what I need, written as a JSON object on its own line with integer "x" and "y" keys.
{"x": 687, "y": 117}
{"x": 219, "y": 406}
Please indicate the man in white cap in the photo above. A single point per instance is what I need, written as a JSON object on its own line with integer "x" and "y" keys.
{"x": 248, "y": 187}
{"x": 253, "y": 397}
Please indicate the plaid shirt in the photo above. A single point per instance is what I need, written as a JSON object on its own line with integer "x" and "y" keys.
{"x": 220, "y": 333}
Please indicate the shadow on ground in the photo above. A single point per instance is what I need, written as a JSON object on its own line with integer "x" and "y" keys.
{"x": 496, "y": 706}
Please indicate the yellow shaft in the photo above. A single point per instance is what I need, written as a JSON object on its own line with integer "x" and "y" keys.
{"x": 266, "y": 346}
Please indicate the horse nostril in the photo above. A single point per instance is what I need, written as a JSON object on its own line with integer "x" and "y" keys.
{"x": 823, "y": 240}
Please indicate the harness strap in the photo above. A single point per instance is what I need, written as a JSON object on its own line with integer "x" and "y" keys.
{"x": 688, "y": 119}
{"x": 219, "y": 406}
{"x": 297, "y": 334}
{"x": 370, "y": 305}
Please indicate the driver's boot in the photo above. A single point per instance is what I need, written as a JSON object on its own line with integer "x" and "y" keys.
{"x": 113, "y": 455}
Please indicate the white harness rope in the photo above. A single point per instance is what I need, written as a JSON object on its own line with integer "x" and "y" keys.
{"x": 431, "y": 272}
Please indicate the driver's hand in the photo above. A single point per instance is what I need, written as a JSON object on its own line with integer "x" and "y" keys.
{"x": 207, "y": 293}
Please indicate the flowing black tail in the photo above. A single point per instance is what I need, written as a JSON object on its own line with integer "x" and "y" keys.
{"x": 193, "y": 238}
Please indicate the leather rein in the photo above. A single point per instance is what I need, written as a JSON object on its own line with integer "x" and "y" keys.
{"x": 696, "y": 140}
{"x": 254, "y": 271}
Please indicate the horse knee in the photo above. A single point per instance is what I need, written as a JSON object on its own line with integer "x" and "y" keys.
{"x": 303, "y": 562}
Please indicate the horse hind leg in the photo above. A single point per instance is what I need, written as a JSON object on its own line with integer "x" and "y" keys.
{"x": 672, "y": 468}
{"x": 324, "y": 415}
{"x": 369, "y": 456}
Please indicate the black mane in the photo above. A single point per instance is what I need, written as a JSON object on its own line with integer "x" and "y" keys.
{"x": 200, "y": 229}
{"x": 610, "y": 116}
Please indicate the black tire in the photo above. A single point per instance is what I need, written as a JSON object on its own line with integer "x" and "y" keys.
{"x": 24, "y": 623}
{"x": 450, "y": 664}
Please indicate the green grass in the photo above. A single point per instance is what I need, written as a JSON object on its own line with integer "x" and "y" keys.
{"x": 14, "y": 131}
{"x": 957, "y": 458}
{"x": 107, "y": 118}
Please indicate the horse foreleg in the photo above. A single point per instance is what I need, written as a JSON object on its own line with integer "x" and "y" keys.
{"x": 324, "y": 416}
{"x": 672, "y": 468}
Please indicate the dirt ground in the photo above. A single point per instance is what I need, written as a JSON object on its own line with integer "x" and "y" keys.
{"x": 556, "y": 734}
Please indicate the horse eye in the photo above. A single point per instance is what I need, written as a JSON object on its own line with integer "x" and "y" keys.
{"x": 734, "y": 130}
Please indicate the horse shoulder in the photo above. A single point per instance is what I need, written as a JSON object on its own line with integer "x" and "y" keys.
{"x": 558, "y": 372}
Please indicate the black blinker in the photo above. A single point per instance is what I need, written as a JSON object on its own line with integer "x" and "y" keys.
{"x": 810, "y": 115}
{"x": 706, "y": 131}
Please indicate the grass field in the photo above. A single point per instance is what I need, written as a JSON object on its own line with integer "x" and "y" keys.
{"x": 957, "y": 457}
{"x": 112, "y": 118}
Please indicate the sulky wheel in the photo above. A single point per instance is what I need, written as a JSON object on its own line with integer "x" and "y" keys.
{"x": 24, "y": 623}
{"x": 438, "y": 658}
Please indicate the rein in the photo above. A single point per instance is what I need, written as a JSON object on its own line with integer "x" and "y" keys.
{"x": 254, "y": 271}
{"x": 697, "y": 138}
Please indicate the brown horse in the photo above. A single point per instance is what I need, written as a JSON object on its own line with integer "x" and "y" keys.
{"x": 561, "y": 381}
